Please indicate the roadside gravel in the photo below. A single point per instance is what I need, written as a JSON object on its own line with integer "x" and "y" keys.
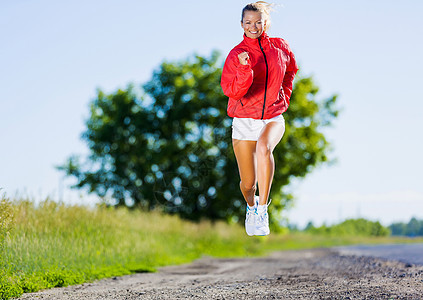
{"x": 305, "y": 274}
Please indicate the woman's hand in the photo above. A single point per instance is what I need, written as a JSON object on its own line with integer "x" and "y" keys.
{"x": 243, "y": 58}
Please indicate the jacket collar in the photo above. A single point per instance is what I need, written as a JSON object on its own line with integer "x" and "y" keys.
{"x": 254, "y": 42}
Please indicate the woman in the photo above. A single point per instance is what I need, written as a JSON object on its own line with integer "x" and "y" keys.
{"x": 257, "y": 77}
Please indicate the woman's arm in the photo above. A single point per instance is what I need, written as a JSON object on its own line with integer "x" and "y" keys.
{"x": 236, "y": 77}
{"x": 290, "y": 72}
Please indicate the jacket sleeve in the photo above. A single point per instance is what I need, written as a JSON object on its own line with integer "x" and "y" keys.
{"x": 236, "y": 78}
{"x": 290, "y": 73}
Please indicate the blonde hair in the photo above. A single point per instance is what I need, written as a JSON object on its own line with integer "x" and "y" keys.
{"x": 261, "y": 6}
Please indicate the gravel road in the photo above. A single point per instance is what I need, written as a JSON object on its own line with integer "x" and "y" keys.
{"x": 305, "y": 274}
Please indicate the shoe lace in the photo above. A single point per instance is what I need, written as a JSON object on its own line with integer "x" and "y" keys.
{"x": 262, "y": 218}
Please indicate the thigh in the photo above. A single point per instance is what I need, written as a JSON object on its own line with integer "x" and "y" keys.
{"x": 271, "y": 135}
{"x": 245, "y": 152}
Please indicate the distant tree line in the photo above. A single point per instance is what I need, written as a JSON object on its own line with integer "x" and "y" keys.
{"x": 363, "y": 227}
{"x": 413, "y": 228}
{"x": 350, "y": 227}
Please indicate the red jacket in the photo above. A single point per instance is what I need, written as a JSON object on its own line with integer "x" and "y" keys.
{"x": 262, "y": 88}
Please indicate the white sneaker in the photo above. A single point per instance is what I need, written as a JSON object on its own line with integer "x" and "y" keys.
{"x": 250, "y": 218}
{"x": 262, "y": 220}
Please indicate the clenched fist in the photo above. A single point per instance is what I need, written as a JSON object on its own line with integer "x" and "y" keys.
{"x": 243, "y": 58}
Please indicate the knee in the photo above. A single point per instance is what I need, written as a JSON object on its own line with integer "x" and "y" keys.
{"x": 247, "y": 186}
{"x": 263, "y": 149}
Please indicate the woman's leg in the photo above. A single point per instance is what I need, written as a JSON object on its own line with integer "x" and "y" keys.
{"x": 245, "y": 157}
{"x": 270, "y": 136}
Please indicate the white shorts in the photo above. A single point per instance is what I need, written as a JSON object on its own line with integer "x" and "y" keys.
{"x": 250, "y": 129}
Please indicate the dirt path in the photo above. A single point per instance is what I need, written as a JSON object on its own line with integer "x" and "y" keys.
{"x": 305, "y": 274}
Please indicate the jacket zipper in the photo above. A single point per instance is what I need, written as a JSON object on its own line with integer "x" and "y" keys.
{"x": 241, "y": 102}
{"x": 267, "y": 74}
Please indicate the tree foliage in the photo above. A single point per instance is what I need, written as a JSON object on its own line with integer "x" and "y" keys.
{"x": 170, "y": 146}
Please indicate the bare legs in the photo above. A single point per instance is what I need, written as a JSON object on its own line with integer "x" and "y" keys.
{"x": 245, "y": 153}
{"x": 256, "y": 163}
{"x": 270, "y": 136}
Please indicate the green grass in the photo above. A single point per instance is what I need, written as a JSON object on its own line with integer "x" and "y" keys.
{"x": 55, "y": 245}
{"x": 6, "y": 218}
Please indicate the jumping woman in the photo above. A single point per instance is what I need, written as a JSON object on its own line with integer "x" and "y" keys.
{"x": 257, "y": 77}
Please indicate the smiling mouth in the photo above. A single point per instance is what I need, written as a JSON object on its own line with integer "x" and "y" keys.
{"x": 254, "y": 32}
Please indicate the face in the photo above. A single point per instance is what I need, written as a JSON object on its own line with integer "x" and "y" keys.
{"x": 253, "y": 24}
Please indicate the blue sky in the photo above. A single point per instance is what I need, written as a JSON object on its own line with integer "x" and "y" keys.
{"x": 55, "y": 54}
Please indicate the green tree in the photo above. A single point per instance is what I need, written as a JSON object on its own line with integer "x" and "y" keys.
{"x": 398, "y": 228}
{"x": 170, "y": 145}
{"x": 413, "y": 227}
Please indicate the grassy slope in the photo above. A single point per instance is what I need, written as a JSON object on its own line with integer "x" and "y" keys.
{"x": 58, "y": 245}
